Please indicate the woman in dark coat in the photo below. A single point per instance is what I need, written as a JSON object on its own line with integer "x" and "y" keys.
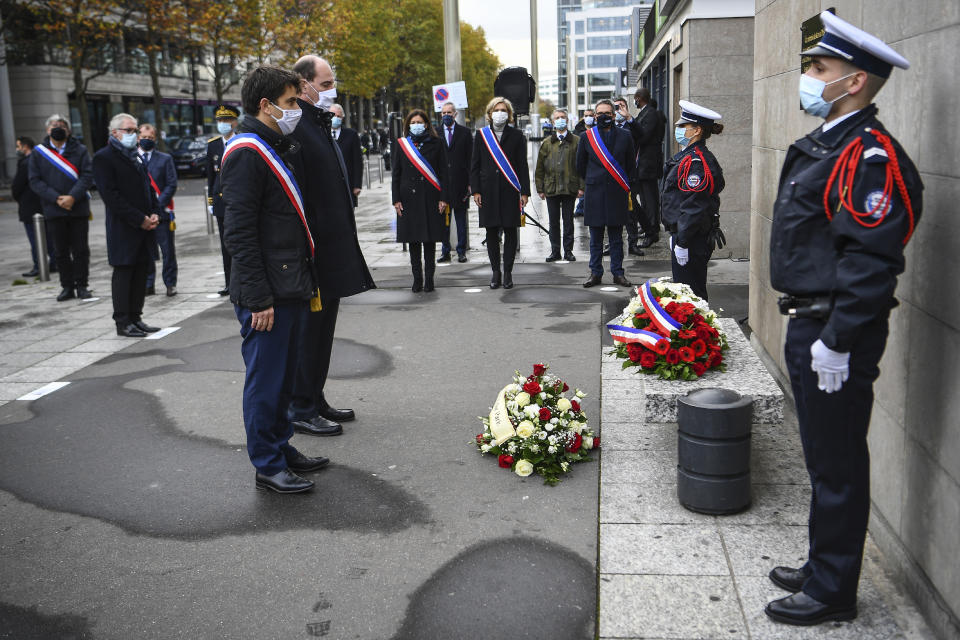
{"x": 420, "y": 200}
{"x": 499, "y": 201}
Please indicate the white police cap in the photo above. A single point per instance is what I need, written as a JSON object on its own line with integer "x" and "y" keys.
{"x": 692, "y": 113}
{"x": 864, "y": 51}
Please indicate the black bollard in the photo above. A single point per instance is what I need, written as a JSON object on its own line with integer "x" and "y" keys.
{"x": 713, "y": 470}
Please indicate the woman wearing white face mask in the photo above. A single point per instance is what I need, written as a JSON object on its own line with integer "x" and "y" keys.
{"x": 419, "y": 184}
{"x": 500, "y": 179}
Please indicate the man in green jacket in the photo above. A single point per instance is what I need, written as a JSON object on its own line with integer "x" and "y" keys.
{"x": 559, "y": 183}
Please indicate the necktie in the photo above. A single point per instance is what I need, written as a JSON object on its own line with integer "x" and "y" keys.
{"x": 449, "y": 136}
{"x": 148, "y": 157}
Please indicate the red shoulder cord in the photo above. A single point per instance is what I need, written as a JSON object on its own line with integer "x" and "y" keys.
{"x": 684, "y": 170}
{"x": 844, "y": 172}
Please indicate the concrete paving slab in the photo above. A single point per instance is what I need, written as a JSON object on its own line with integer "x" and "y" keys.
{"x": 645, "y": 503}
{"x": 40, "y": 373}
{"x": 639, "y": 437}
{"x": 638, "y": 466}
{"x": 662, "y": 549}
{"x": 755, "y": 549}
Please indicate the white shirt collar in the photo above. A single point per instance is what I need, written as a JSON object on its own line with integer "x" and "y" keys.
{"x": 830, "y": 125}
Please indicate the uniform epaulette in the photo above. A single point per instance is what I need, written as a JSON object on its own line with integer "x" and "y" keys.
{"x": 213, "y": 138}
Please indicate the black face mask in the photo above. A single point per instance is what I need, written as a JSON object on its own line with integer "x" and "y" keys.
{"x": 147, "y": 145}
{"x": 605, "y": 120}
{"x": 58, "y": 133}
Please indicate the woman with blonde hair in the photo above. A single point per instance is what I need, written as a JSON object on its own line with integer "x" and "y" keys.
{"x": 500, "y": 180}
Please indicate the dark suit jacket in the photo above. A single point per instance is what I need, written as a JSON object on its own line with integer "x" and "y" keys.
{"x": 214, "y": 156}
{"x": 28, "y": 202}
{"x": 648, "y": 129}
{"x": 127, "y": 197}
{"x": 48, "y": 182}
{"x": 459, "y": 155}
{"x": 604, "y": 200}
{"x": 500, "y": 202}
{"x": 349, "y": 142}
{"x": 164, "y": 173}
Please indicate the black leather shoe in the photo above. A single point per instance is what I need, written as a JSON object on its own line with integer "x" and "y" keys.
{"x": 507, "y": 280}
{"x": 66, "y": 294}
{"x": 83, "y": 293}
{"x": 800, "y": 609}
{"x": 553, "y": 257}
{"x": 788, "y": 578}
{"x": 592, "y": 281}
{"x": 635, "y": 251}
{"x": 337, "y": 415}
{"x": 495, "y": 281}
{"x": 171, "y": 291}
{"x": 140, "y": 324}
{"x": 223, "y": 292}
{"x": 622, "y": 281}
{"x": 317, "y": 426}
{"x": 445, "y": 258}
{"x": 284, "y": 482}
{"x": 428, "y": 284}
{"x": 151, "y": 290}
{"x": 570, "y": 257}
{"x": 648, "y": 241}
{"x": 33, "y": 273}
{"x": 296, "y": 461}
{"x": 417, "y": 286}
{"x": 130, "y": 331}
{"x": 461, "y": 258}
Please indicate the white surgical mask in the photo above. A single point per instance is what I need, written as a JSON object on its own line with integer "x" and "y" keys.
{"x": 129, "y": 140}
{"x": 811, "y": 95}
{"x": 417, "y": 129}
{"x": 560, "y": 124}
{"x": 680, "y": 135}
{"x": 288, "y": 122}
{"x": 588, "y": 120}
{"x": 324, "y": 98}
{"x": 224, "y": 128}
{"x": 499, "y": 118}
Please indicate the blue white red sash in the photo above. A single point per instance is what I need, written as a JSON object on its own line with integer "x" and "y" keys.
{"x": 499, "y": 157}
{"x": 156, "y": 189}
{"x": 663, "y": 320}
{"x": 607, "y": 160}
{"x": 280, "y": 170}
{"x": 627, "y": 335}
{"x": 58, "y": 161}
{"x": 417, "y": 160}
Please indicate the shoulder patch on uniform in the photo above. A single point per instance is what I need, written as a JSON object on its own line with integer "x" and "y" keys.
{"x": 693, "y": 181}
{"x": 875, "y": 155}
{"x": 873, "y": 202}
{"x": 213, "y": 138}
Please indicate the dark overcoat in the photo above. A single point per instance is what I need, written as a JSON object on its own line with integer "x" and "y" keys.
{"x": 350, "y": 149}
{"x": 500, "y": 202}
{"x": 28, "y": 203}
{"x": 49, "y": 182}
{"x": 604, "y": 200}
{"x": 127, "y": 197}
{"x": 459, "y": 155}
{"x": 422, "y": 220}
{"x": 648, "y": 129}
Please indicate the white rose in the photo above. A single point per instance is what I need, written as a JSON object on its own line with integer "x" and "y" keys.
{"x": 554, "y": 420}
{"x": 543, "y": 395}
{"x": 541, "y": 434}
{"x": 563, "y": 404}
{"x": 484, "y": 448}
{"x": 575, "y": 426}
{"x": 588, "y": 442}
{"x": 523, "y": 468}
{"x": 534, "y": 448}
{"x": 525, "y": 429}
{"x": 511, "y": 406}
{"x": 548, "y": 426}
{"x": 551, "y": 449}
{"x": 522, "y": 399}
{"x": 552, "y": 439}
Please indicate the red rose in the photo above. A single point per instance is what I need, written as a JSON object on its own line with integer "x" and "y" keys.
{"x": 545, "y": 414}
{"x": 596, "y": 442}
{"x": 699, "y": 368}
{"x": 575, "y": 405}
{"x": 673, "y": 356}
{"x": 574, "y": 446}
{"x": 634, "y": 351}
{"x": 686, "y": 354}
{"x": 687, "y": 334}
{"x": 703, "y": 333}
{"x": 699, "y": 347}
{"x": 662, "y": 346}
{"x": 505, "y": 461}
{"x": 531, "y": 387}
{"x": 671, "y": 307}
{"x": 565, "y": 387}
{"x": 539, "y": 369}
{"x": 480, "y": 438}
{"x": 648, "y": 360}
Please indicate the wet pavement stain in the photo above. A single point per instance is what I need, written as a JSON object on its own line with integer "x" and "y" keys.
{"x": 22, "y": 623}
{"x": 492, "y": 591}
{"x": 569, "y": 327}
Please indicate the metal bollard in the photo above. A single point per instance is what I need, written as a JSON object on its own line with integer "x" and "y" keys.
{"x": 40, "y": 231}
{"x": 209, "y": 217}
{"x": 713, "y": 447}
{"x": 380, "y": 166}
{"x": 368, "y": 170}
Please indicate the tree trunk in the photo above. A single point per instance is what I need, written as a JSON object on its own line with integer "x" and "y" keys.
{"x": 359, "y": 126}
{"x": 80, "y": 94}
{"x": 152, "y": 48}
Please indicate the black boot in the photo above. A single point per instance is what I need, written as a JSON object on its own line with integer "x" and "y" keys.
{"x": 417, "y": 267}
{"x": 430, "y": 266}
{"x": 507, "y": 279}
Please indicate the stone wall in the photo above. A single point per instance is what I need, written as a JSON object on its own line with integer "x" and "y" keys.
{"x": 915, "y": 431}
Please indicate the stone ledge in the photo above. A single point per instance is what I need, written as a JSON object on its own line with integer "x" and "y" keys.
{"x": 745, "y": 374}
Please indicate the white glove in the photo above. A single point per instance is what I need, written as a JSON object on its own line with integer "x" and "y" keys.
{"x": 832, "y": 367}
{"x": 683, "y": 255}
{"x": 210, "y": 209}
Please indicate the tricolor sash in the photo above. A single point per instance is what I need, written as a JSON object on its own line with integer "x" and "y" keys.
{"x": 417, "y": 160}
{"x": 58, "y": 161}
{"x": 280, "y": 170}
{"x": 607, "y": 160}
{"x": 156, "y": 189}
{"x": 663, "y": 320}
{"x": 499, "y": 157}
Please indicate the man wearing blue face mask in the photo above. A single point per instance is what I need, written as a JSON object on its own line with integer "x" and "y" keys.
{"x": 848, "y": 202}
{"x": 459, "y": 145}
{"x": 227, "y": 119}
{"x": 163, "y": 181}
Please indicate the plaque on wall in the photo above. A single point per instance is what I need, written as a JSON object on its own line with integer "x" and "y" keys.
{"x": 811, "y": 31}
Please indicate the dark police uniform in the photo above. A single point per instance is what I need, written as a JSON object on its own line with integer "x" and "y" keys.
{"x": 215, "y": 147}
{"x": 838, "y": 259}
{"x": 689, "y": 200}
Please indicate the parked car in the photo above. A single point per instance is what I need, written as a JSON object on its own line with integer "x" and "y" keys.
{"x": 190, "y": 155}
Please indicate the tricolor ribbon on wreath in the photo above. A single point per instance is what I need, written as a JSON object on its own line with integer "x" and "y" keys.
{"x": 660, "y": 318}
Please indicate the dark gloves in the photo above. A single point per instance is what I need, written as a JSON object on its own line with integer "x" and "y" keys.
{"x": 715, "y": 236}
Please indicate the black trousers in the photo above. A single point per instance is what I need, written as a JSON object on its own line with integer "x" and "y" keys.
{"x": 833, "y": 429}
{"x": 561, "y": 207}
{"x": 510, "y": 241}
{"x": 694, "y": 273}
{"x": 316, "y": 340}
{"x": 72, "y": 249}
{"x": 460, "y": 218}
{"x": 429, "y": 252}
{"x": 128, "y": 288}
{"x": 646, "y": 204}
{"x": 224, "y": 253}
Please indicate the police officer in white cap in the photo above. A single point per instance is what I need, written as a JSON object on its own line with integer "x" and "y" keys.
{"x": 848, "y": 202}
{"x": 690, "y": 196}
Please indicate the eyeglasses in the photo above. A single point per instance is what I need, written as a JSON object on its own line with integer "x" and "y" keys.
{"x": 128, "y": 130}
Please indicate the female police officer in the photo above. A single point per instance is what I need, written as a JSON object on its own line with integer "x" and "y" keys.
{"x": 690, "y": 196}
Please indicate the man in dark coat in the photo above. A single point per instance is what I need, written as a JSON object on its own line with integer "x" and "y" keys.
{"x": 459, "y": 145}
{"x": 271, "y": 280}
{"x": 132, "y": 214}
{"x": 605, "y": 202}
{"x": 161, "y": 168}
{"x": 340, "y": 266}
{"x": 649, "y": 127}
{"x": 61, "y": 174}
{"x": 28, "y": 203}
{"x": 349, "y": 142}
{"x": 227, "y": 120}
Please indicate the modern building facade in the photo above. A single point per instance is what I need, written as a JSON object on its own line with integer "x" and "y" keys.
{"x": 915, "y": 428}
{"x": 702, "y": 50}
{"x": 563, "y": 66}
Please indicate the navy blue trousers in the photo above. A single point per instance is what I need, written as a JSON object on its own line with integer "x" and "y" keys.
{"x": 615, "y": 235}
{"x": 833, "y": 429}
{"x": 460, "y": 217}
{"x": 165, "y": 239}
{"x": 271, "y": 361}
